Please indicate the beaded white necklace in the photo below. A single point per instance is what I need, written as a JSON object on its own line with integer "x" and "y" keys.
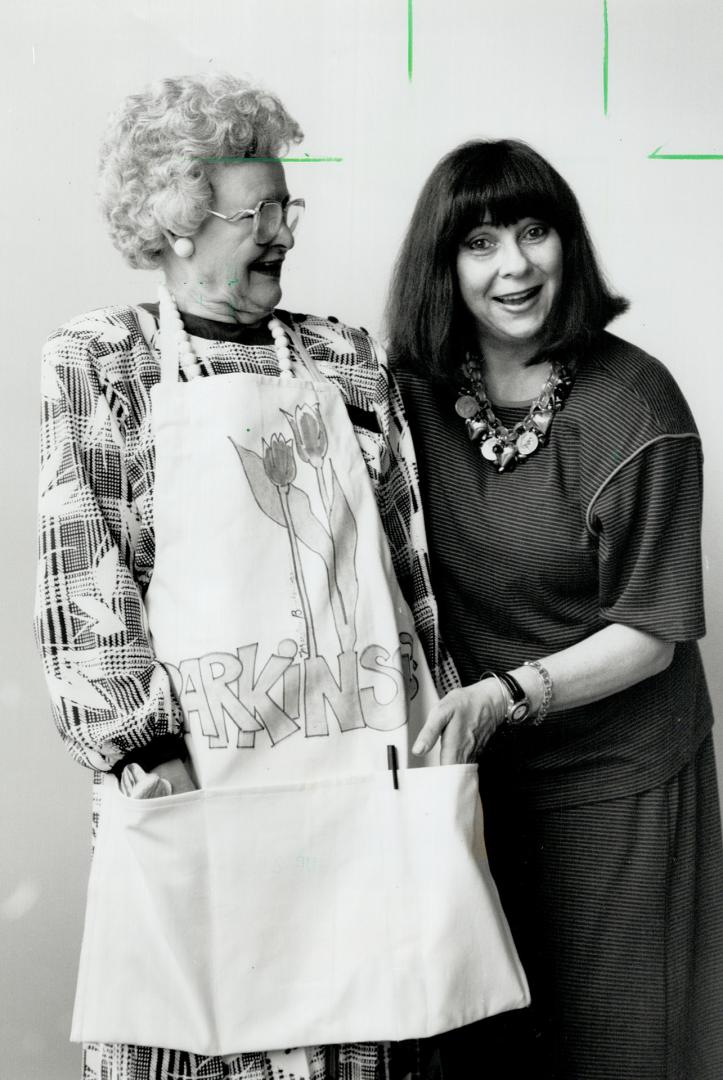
{"x": 174, "y": 336}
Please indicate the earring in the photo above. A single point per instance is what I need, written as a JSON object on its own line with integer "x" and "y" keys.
{"x": 184, "y": 247}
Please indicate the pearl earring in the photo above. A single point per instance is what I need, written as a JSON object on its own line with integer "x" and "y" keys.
{"x": 184, "y": 247}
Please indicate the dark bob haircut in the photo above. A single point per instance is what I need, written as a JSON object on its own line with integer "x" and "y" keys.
{"x": 429, "y": 326}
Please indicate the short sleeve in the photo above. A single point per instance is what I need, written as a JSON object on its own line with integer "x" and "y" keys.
{"x": 647, "y": 519}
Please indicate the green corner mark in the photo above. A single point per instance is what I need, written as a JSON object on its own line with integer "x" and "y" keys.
{"x": 657, "y": 156}
{"x": 606, "y": 56}
{"x": 410, "y": 39}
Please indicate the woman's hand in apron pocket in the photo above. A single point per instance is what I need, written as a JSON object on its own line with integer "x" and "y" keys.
{"x": 464, "y": 719}
{"x": 178, "y": 775}
{"x": 167, "y": 778}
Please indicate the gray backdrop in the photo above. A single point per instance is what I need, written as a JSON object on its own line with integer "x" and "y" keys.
{"x": 531, "y": 70}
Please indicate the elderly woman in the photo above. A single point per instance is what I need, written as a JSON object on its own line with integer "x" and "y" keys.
{"x": 225, "y": 489}
{"x": 561, "y": 478}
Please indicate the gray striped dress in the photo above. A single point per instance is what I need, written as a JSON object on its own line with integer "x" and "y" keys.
{"x": 602, "y": 824}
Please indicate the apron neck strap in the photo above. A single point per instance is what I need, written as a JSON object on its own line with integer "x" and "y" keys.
{"x": 168, "y": 324}
{"x": 304, "y": 355}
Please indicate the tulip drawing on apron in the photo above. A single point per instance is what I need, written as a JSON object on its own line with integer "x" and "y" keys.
{"x": 271, "y": 475}
{"x": 312, "y": 444}
{"x": 280, "y": 468}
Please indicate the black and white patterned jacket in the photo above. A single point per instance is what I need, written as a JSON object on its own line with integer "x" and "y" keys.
{"x": 96, "y": 544}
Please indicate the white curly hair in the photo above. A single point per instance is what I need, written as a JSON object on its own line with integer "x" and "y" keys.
{"x": 160, "y": 146}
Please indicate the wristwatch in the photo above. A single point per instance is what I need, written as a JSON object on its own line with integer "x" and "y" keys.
{"x": 519, "y": 705}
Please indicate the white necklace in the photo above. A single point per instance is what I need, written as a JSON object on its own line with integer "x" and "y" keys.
{"x": 284, "y": 355}
{"x": 179, "y": 340}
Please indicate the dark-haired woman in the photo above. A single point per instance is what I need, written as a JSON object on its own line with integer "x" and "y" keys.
{"x": 561, "y": 473}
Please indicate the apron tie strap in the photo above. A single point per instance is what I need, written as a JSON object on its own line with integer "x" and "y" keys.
{"x": 168, "y": 318}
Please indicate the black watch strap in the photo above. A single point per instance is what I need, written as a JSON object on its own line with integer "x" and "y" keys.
{"x": 519, "y": 708}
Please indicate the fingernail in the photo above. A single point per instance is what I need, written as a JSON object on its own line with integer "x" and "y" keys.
{"x": 419, "y": 747}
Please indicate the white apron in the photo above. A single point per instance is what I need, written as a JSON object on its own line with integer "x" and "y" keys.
{"x": 306, "y": 893}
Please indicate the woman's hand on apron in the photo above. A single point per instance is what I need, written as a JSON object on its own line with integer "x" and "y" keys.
{"x": 465, "y": 719}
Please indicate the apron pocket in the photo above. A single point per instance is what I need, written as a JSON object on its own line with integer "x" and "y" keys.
{"x": 330, "y": 911}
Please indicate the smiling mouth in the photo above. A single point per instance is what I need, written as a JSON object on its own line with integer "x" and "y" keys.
{"x": 270, "y": 267}
{"x": 518, "y": 299}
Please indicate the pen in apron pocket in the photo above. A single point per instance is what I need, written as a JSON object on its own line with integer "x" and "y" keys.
{"x": 393, "y": 764}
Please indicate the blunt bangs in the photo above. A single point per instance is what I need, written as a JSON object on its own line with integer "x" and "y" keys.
{"x": 506, "y": 182}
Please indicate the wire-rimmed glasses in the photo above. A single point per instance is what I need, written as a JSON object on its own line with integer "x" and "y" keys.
{"x": 268, "y": 215}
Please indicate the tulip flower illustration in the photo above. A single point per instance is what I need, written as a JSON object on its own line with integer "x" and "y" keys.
{"x": 280, "y": 467}
{"x": 312, "y": 443}
{"x": 279, "y": 463}
{"x": 271, "y": 477}
{"x": 309, "y": 434}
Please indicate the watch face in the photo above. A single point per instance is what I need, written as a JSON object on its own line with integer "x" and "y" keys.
{"x": 519, "y": 712}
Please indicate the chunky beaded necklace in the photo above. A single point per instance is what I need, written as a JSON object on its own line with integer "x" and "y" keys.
{"x": 503, "y": 447}
{"x": 184, "y": 349}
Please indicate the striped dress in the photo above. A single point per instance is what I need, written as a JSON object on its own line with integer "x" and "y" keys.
{"x": 602, "y": 824}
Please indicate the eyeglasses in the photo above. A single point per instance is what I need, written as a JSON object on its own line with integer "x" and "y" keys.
{"x": 268, "y": 215}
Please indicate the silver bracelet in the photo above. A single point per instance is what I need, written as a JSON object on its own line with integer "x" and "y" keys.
{"x": 503, "y": 689}
{"x": 546, "y": 689}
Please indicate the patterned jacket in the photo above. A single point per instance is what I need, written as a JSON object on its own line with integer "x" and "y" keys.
{"x": 96, "y": 543}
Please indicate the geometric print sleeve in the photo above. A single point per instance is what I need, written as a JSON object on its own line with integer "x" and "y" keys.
{"x": 400, "y": 507}
{"x": 109, "y": 695}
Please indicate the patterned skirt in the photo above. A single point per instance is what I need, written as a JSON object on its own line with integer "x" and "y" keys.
{"x": 355, "y": 1061}
{"x": 616, "y": 908}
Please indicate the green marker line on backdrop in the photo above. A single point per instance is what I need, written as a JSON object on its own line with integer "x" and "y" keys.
{"x": 306, "y": 159}
{"x": 410, "y": 39}
{"x": 657, "y": 156}
{"x": 606, "y": 56}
